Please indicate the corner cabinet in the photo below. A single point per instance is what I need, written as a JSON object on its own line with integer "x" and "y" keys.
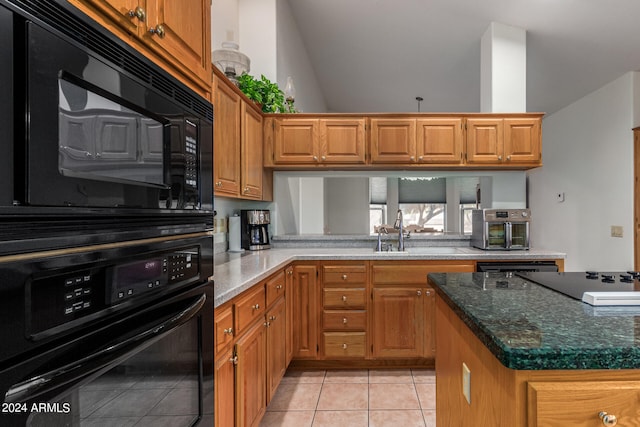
{"x": 168, "y": 32}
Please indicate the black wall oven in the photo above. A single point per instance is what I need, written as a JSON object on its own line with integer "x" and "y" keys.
{"x": 117, "y": 334}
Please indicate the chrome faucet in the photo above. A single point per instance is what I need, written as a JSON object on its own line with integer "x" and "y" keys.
{"x": 398, "y": 226}
{"x": 380, "y": 247}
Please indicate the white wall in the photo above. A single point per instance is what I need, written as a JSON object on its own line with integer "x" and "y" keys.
{"x": 346, "y": 205}
{"x": 224, "y": 22}
{"x": 293, "y": 60}
{"x": 588, "y": 156}
{"x": 257, "y": 26}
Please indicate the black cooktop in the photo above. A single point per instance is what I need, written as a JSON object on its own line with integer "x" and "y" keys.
{"x": 575, "y": 284}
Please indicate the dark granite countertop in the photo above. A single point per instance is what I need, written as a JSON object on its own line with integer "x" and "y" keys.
{"x": 529, "y": 327}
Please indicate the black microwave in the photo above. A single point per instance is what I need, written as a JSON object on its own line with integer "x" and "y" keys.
{"x": 93, "y": 126}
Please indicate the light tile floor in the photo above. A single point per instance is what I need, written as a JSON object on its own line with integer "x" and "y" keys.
{"x": 354, "y": 398}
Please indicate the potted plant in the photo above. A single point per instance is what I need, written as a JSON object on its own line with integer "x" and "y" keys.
{"x": 265, "y": 93}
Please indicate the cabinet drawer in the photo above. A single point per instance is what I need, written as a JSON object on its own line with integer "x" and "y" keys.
{"x": 578, "y": 403}
{"x": 224, "y": 328}
{"x": 344, "y": 344}
{"x": 354, "y": 320}
{"x": 249, "y": 307}
{"x": 343, "y": 297}
{"x": 414, "y": 274}
{"x": 275, "y": 287}
{"x": 344, "y": 274}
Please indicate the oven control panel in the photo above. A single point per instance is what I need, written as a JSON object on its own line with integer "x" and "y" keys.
{"x": 64, "y": 298}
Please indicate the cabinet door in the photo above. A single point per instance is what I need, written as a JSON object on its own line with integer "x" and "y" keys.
{"x": 181, "y": 32}
{"x": 226, "y": 140}
{"x": 429, "y": 322}
{"x": 251, "y": 375}
{"x": 224, "y": 391}
{"x": 276, "y": 347}
{"x": 288, "y": 295}
{"x": 485, "y": 141}
{"x": 522, "y": 141}
{"x": 439, "y": 141}
{"x": 398, "y": 322}
{"x": 251, "y": 153}
{"x": 342, "y": 141}
{"x": 296, "y": 141}
{"x": 305, "y": 311}
{"x": 393, "y": 140}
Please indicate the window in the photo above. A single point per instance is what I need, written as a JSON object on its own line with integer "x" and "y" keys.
{"x": 465, "y": 216}
{"x": 425, "y": 215}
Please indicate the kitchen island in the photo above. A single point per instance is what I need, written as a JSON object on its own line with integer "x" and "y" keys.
{"x": 513, "y": 353}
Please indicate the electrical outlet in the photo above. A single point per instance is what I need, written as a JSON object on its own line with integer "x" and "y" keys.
{"x": 616, "y": 231}
{"x": 466, "y": 383}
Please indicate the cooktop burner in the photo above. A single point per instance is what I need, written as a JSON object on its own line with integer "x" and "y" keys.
{"x": 595, "y": 288}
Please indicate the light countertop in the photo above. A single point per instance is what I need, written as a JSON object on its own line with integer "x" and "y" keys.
{"x": 235, "y": 272}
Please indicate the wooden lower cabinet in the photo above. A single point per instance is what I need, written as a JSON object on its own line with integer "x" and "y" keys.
{"x": 251, "y": 376}
{"x": 305, "y": 311}
{"x": 403, "y": 307}
{"x": 276, "y": 346}
{"x": 225, "y": 390}
{"x": 288, "y": 295}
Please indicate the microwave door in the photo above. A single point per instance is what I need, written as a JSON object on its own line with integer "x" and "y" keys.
{"x": 496, "y": 235}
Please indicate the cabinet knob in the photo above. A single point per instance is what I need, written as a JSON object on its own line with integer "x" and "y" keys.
{"x": 278, "y": 287}
{"x": 420, "y": 158}
{"x": 256, "y": 307}
{"x": 608, "y": 420}
{"x": 234, "y": 360}
{"x": 419, "y": 293}
{"x": 158, "y": 29}
{"x": 508, "y": 157}
{"x": 228, "y": 331}
{"x": 290, "y": 272}
{"x": 412, "y": 158}
{"x": 344, "y": 277}
{"x": 344, "y": 298}
{"x": 500, "y": 158}
{"x": 272, "y": 318}
{"x": 344, "y": 320}
{"x": 315, "y": 158}
{"x": 246, "y": 190}
{"x": 138, "y": 13}
{"x": 324, "y": 158}
{"x": 344, "y": 346}
{"x": 428, "y": 293}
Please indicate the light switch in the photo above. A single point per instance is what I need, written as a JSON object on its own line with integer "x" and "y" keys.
{"x": 466, "y": 383}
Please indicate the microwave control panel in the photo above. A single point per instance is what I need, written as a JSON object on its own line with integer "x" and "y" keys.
{"x": 62, "y": 300}
{"x": 191, "y": 154}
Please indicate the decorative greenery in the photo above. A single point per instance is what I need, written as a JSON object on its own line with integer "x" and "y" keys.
{"x": 264, "y": 92}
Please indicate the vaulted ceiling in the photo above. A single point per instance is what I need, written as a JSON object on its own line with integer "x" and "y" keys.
{"x": 378, "y": 55}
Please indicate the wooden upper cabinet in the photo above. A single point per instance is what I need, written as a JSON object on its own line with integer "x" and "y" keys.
{"x": 522, "y": 140}
{"x": 319, "y": 141}
{"x": 514, "y": 142}
{"x": 251, "y": 152}
{"x": 177, "y": 33}
{"x": 393, "y": 140}
{"x": 439, "y": 140}
{"x": 226, "y": 145}
{"x": 342, "y": 141}
{"x": 485, "y": 140}
{"x": 181, "y": 30}
{"x": 295, "y": 141}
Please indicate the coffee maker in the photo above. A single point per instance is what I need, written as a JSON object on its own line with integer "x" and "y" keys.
{"x": 254, "y": 229}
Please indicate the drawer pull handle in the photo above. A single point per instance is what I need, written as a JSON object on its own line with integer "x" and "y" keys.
{"x": 138, "y": 13}
{"x": 428, "y": 293}
{"x": 234, "y": 360}
{"x": 608, "y": 420}
{"x": 158, "y": 29}
{"x": 344, "y": 320}
{"x": 256, "y": 307}
{"x": 344, "y": 298}
{"x": 228, "y": 331}
{"x": 344, "y": 277}
{"x": 344, "y": 346}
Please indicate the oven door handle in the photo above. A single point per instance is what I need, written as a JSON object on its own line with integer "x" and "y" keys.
{"x": 100, "y": 361}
